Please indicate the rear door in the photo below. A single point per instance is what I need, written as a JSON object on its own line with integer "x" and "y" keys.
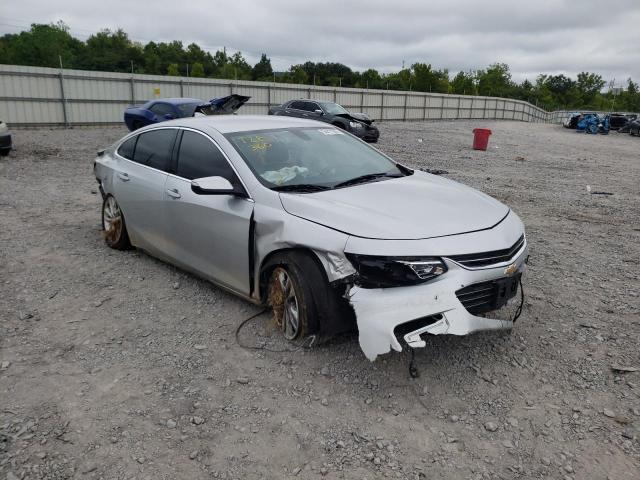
{"x": 207, "y": 233}
{"x": 139, "y": 185}
{"x": 296, "y": 109}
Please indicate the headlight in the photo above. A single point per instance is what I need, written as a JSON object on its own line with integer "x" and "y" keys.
{"x": 385, "y": 272}
{"x": 355, "y": 125}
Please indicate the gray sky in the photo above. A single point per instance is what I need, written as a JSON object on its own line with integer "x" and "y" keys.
{"x": 532, "y": 37}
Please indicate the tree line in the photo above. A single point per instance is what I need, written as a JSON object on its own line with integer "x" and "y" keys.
{"x": 52, "y": 45}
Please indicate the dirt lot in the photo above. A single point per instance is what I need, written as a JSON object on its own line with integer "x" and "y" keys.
{"x": 117, "y": 366}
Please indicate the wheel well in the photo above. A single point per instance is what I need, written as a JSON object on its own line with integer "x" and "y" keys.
{"x": 268, "y": 264}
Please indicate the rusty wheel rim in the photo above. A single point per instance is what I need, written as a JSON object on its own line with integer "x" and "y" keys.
{"x": 284, "y": 302}
{"x": 112, "y": 219}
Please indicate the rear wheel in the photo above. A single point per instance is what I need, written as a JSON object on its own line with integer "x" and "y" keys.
{"x": 115, "y": 229}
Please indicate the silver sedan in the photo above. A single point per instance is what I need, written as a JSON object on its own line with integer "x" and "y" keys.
{"x": 326, "y": 230}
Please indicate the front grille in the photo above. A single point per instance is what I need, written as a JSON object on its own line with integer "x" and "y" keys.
{"x": 488, "y": 296}
{"x": 476, "y": 260}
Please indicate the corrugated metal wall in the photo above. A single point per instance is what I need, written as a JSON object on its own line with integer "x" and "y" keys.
{"x": 37, "y": 96}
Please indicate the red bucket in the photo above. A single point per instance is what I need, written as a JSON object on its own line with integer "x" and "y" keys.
{"x": 481, "y": 138}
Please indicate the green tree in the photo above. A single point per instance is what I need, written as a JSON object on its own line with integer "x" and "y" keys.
{"x": 43, "y": 46}
{"x": 464, "y": 84}
{"x": 173, "y": 70}
{"x": 589, "y": 85}
{"x": 370, "y": 79}
{"x": 197, "y": 70}
{"x": 262, "y": 70}
{"x": 425, "y": 79}
{"x": 297, "y": 74}
{"x": 495, "y": 81}
{"x": 111, "y": 51}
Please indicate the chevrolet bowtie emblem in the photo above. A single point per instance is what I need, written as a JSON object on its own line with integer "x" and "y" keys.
{"x": 511, "y": 269}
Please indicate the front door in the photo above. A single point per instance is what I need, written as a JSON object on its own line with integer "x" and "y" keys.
{"x": 207, "y": 233}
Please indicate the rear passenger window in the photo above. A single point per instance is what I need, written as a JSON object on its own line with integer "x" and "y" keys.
{"x": 154, "y": 148}
{"x": 126, "y": 148}
{"x": 198, "y": 157}
{"x": 297, "y": 105}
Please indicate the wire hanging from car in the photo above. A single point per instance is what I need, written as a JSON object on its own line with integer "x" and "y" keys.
{"x": 519, "y": 309}
{"x": 307, "y": 342}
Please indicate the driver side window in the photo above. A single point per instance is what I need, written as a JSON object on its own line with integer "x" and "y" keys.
{"x": 199, "y": 157}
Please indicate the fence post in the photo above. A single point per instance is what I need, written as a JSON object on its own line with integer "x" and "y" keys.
{"x": 442, "y": 108}
{"x": 309, "y": 92}
{"x": 362, "y": 101}
{"x": 231, "y": 89}
{"x": 424, "y": 108}
{"x": 133, "y": 90}
{"x": 382, "y": 107}
{"x": 404, "y": 113}
{"x": 335, "y": 95}
{"x": 484, "y": 108}
{"x": 181, "y": 88}
{"x": 63, "y": 98}
{"x": 268, "y": 97}
{"x": 458, "y": 108}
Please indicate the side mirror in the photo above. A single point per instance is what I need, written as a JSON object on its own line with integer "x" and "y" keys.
{"x": 319, "y": 112}
{"x": 215, "y": 186}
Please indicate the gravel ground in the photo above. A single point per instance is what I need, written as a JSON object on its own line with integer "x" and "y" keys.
{"x": 117, "y": 366}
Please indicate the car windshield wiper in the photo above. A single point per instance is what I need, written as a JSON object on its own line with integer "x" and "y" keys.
{"x": 300, "y": 188}
{"x": 366, "y": 178}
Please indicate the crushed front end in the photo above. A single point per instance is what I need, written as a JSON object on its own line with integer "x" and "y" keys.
{"x": 395, "y": 296}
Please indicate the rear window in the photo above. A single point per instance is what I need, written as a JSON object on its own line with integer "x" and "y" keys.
{"x": 126, "y": 148}
{"x": 154, "y": 148}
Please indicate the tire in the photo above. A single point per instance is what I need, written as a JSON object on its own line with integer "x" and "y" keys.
{"x": 113, "y": 224}
{"x": 4, "y": 153}
{"x": 302, "y": 301}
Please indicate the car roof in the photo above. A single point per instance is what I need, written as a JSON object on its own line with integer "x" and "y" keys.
{"x": 244, "y": 123}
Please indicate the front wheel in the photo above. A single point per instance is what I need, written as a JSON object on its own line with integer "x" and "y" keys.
{"x": 115, "y": 229}
{"x": 303, "y": 303}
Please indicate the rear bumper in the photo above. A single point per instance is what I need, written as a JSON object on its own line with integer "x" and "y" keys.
{"x": 430, "y": 308}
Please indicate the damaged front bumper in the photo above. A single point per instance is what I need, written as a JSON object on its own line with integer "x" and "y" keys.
{"x": 433, "y": 308}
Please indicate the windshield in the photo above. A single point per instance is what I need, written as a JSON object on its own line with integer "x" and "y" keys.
{"x": 187, "y": 109}
{"x": 333, "y": 108}
{"x": 311, "y": 158}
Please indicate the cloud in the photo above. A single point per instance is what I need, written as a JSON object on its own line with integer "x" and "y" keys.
{"x": 546, "y": 36}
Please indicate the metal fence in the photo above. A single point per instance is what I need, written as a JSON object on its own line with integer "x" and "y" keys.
{"x": 37, "y": 96}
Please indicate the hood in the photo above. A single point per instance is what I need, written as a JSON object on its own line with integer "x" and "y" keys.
{"x": 222, "y": 106}
{"x": 361, "y": 117}
{"x": 409, "y": 208}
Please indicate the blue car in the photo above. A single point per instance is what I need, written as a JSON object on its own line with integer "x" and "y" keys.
{"x": 163, "y": 109}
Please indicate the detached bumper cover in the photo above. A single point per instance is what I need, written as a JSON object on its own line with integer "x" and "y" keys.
{"x": 379, "y": 311}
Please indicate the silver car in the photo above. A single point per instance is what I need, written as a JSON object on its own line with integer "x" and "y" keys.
{"x": 324, "y": 229}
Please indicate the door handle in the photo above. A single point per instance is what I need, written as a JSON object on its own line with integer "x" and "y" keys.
{"x": 123, "y": 176}
{"x": 173, "y": 193}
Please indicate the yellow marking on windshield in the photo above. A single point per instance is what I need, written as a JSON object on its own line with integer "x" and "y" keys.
{"x": 257, "y": 142}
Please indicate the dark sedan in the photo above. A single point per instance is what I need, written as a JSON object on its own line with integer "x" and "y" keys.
{"x": 163, "y": 109}
{"x": 358, "y": 124}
